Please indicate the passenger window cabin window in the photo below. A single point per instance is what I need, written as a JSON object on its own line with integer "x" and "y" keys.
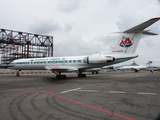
{"x": 79, "y": 60}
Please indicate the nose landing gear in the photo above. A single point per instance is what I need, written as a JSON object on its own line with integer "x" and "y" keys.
{"x": 17, "y": 73}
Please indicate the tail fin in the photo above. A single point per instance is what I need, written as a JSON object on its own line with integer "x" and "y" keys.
{"x": 129, "y": 39}
{"x": 149, "y": 63}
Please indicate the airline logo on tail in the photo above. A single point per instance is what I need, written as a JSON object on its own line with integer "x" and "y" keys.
{"x": 125, "y": 42}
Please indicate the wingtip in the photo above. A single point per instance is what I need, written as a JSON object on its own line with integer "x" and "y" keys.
{"x": 155, "y": 18}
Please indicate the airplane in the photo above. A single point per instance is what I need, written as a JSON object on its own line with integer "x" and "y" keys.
{"x": 135, "y": 68}
{"x": 122, "y": 50}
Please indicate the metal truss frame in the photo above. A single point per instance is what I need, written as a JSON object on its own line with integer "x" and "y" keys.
{"x": 16, "y": 45}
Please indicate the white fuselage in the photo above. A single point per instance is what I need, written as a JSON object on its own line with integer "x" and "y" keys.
{"x": 72, "y": 63}
{"x": 133, "y": 67}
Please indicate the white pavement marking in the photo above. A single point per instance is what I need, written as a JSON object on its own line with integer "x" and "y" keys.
{"x": 116, "y": 92}
{"x": 71, "y": 90}
{"x": 147, "y": 93}
{"x": 78, "y": 89}
{"x": 88, "y": 90}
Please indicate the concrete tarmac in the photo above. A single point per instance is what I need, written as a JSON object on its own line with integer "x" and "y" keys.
{"x": 104, "y": 96}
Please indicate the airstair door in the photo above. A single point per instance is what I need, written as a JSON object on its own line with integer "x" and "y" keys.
{"x": 26, "y": 63}
{"x": 63, "y": 62}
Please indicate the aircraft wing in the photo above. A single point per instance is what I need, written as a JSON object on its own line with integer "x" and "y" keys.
{"x": 92, "y": 69}
{"x": 61, "y": 68}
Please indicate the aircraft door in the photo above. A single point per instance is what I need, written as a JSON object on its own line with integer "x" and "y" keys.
{"x": 63, "y": 62}
{"x": 27, "y": 63}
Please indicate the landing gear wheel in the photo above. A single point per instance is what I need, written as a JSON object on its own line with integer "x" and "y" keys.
{"x": 17, "y": 74}
{"x": 61, "y": 77}
{"x": 136, "y": 70}
{"x": 58, "y": 77}
{"x": 81, "y": 75}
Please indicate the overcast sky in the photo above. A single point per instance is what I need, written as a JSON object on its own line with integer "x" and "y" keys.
{"x": 83, "y": 27}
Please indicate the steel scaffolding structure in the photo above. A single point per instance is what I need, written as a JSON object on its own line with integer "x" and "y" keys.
{"x": 16, "y": 45}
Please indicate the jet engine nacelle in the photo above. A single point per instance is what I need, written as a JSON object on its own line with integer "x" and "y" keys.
{"x": 93, "y": 59}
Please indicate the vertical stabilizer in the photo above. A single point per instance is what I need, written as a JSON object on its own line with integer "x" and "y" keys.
{"x": 149, "y": 63}
{"x": 126, "y": 44}
{"x": 129, "y": 39}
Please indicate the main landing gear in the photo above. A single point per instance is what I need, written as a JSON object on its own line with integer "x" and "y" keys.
{"x": 59, "y": 76}
{"x": 80, "y": 75}
{"x": 95, "y": 72}
{"x": 136, "y": 70}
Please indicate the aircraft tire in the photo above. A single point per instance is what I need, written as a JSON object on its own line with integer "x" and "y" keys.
{"x": 81, "y": 75}
{"x": 17, "y": 74}
{"x": 63, "y": 76}
{"x": 58, "y": 77}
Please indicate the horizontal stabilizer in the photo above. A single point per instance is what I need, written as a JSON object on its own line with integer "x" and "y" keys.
{"x": 142, "y": 26}
{"x": 148, "y": 33}
{"x": 144, "y": 32}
